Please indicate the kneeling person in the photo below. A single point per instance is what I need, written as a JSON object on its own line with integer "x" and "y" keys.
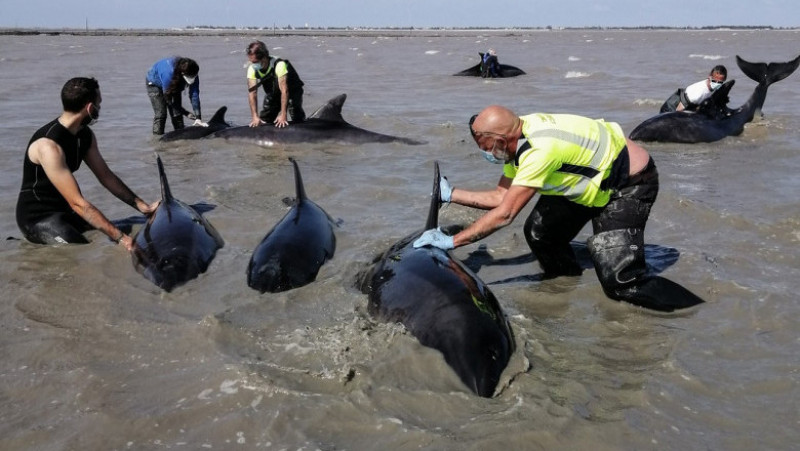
{"x": 283, "y": 88}
{"x": 50, "y": 207}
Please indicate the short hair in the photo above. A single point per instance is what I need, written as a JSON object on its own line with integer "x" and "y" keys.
{"x": 719, "y": 69}
{"x": 258, "y": 48}
{"x": 79, "y": 91}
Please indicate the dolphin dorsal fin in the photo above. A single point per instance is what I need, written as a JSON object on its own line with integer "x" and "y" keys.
{"x": 433, "y": 212}
{"x": 300, "y": 191}
{"x": 166, "y": 195}
{"x": 331, "y": 111}
{"x": 219, "y": 116}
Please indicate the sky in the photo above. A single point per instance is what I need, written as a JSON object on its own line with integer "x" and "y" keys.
{"x": 396, "y": 13}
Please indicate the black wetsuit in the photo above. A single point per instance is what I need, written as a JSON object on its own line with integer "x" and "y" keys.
{"x": 43, "y": 215}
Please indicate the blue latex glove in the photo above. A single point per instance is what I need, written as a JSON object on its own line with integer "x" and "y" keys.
{"x": 445, "y": 189}
{"x": 435, "y": 238}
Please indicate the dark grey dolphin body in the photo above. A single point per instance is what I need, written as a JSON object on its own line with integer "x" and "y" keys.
{"x": 505, "y": 70}
{"x": 215, "y": 124}
{"x": 713, "y": 120}
{"x": 326, "y": 124}
{"x": 291, "y": 254}
{"x": 444, "y": 305}
{"x": 176, "y": 244}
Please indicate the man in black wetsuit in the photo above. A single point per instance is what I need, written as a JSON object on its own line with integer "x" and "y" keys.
{"x": 51, "y": 208}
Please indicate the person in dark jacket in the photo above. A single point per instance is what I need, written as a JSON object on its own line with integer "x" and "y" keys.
{"x": 490, "y": 66}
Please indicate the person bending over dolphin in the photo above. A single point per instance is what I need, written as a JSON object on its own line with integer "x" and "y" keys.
{"x": 585, "y": 169}
{"x": 51, "y": 208}
{"x": 689, "y": 99}
{"x": 283, "y": 89}
{"x": 165, "y": 81}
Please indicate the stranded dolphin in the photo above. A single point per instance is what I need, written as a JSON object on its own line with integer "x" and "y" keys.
{"x": 216, "y": 123}
{"x": 505, "y": 70}
{"x": 291, "y": 254}
{"x": 714, "y": 121}
{"x": 326, "y": 124}
{"x": 444, "y": 305}
{"x": 176, "y": 244}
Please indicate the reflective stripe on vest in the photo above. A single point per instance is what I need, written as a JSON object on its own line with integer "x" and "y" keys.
{"x": 599, "y": 148}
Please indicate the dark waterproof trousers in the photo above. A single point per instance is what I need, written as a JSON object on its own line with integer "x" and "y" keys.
{"x": 161, "y": 107}
{"x": 616, "y": 247}
{"x": 272, "y": 106}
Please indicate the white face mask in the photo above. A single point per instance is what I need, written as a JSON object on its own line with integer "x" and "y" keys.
{"x": 189, "y": 80}
{"x": 715, "y": 84}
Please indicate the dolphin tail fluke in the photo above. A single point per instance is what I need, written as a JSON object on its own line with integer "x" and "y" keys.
{"x": 298, "y": 182}
{"x": 166, "y": 194}
{"x": 436, "y": 196}
{"x": 767, "y": 74}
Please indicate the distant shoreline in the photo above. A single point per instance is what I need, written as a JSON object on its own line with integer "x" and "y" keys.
{"x": 351, "y": 31}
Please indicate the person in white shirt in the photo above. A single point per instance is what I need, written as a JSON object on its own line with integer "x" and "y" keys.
{"x": 693, "y": 95}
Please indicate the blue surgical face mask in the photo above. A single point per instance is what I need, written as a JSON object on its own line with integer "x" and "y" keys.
{"x": 715, "y": 85}
{"x": 498, "y": 147}
{"x": 491, "y": 158}
{"x": 257, "y": 66}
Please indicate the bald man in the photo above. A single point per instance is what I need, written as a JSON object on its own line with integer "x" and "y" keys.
{"x": 585, "y": 169}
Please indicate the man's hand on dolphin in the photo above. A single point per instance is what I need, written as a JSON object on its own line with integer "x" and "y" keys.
{"x": 149, "y": 209}
{"x": 435, "y": 238}
{"x": 281, "y": 121}
{"x": 256, "y": 122}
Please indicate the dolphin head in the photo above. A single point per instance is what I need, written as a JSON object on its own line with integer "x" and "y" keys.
{"x": 169, "y": 271}
{"x": 268, "y": 276}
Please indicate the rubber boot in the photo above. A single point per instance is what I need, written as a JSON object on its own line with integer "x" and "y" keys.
{"x": 618, "y": 257}
{"x": 555, "y": 253}
{"x": 158, "y": 125}
{"x": 177, "y": 122}
{"x": 555, "y": 260}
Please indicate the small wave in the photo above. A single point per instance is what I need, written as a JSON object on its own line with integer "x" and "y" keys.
{"x": 706, "y": 57}
{"x": 647, "y": 102}
{"x": 576, "y": 74}
{"x": 431, "y": 52}
{"x": 573, "y": 58}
